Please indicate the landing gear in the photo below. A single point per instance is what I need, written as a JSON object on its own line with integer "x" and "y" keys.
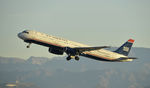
{"x": 72, "y": 53}
{"x": 77, "y": 58}
{"x": 28, "y": 46}
{"x": 68, "y": 58}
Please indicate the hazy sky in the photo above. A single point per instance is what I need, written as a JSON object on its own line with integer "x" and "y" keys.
{"x": 93, "y": 22}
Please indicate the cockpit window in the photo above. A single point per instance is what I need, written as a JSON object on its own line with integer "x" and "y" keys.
{"x": 25, "y": 32}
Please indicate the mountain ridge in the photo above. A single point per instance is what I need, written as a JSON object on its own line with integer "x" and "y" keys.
{"x": 57, "y": 72}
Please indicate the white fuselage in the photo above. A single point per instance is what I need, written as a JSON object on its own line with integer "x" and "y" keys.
{"x": 52, "y": 40}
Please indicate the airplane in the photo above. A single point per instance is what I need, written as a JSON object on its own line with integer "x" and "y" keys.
{"x": 59, "y": 46}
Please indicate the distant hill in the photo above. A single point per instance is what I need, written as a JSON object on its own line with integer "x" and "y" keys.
{"x": 85, "y": 73}
{"x": 11, "y": 60}
{"x": 37, "y": 60}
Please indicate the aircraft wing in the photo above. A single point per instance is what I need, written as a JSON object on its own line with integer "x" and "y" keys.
{"x": 83, "y": 49}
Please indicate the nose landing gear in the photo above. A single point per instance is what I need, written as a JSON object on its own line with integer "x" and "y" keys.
{"x": 28, "y": 46}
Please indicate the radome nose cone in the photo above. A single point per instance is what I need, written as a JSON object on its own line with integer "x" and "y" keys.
{"x": 19, "y": 35}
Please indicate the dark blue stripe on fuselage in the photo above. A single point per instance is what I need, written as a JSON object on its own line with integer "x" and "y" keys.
{"x": 95, "y": 58}
{"x": 50, "y": 45}
{"x": 40, "y": 43}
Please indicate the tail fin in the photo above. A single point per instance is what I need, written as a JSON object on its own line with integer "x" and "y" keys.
{"x": 125, "y": 48}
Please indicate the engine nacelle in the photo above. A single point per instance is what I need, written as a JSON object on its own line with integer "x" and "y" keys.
{"x": 56, "y": 50}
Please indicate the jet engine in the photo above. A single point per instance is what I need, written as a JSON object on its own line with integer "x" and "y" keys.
{"x": 56, "y": 50}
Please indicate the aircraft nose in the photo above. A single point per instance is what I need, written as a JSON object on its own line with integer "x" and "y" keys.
{"x": 20, "y": 35}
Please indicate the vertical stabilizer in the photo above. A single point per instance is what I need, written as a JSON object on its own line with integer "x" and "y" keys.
{"x": 125, "y": 48}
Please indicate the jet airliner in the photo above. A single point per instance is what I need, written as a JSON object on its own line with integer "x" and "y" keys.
{"x": 59, "y": 46}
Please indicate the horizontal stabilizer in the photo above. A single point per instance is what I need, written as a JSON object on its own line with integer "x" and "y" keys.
{"x": 126, "y": 59}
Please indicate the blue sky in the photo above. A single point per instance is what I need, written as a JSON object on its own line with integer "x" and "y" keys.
{"x": 92, "y": 22}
